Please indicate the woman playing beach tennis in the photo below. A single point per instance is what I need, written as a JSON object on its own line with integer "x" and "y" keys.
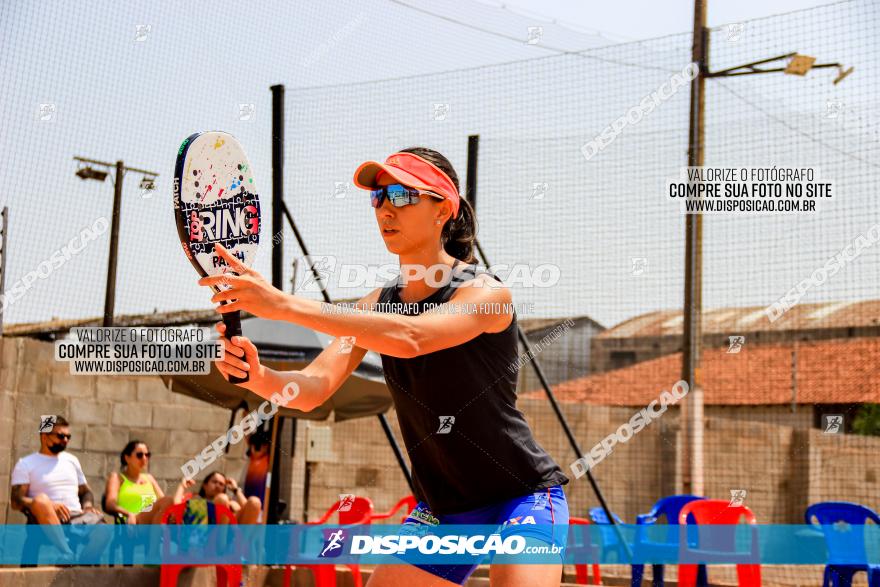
{"x": 447, "y": 335}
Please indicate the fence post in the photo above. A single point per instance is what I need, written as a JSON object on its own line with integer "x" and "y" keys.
{"x": 692, "y": 406}
{"x": 277, "y": 184}
{"x": 4, "y": 243}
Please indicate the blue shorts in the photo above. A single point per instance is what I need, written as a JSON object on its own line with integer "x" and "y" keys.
{"x": 547, "y": 509}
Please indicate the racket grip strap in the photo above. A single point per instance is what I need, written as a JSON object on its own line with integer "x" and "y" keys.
{"x": 232, "y": 320}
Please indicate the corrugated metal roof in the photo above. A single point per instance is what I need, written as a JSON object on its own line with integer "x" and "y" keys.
{"x": 208, "y": 317}
{"x": 534, "y": 324}
{"x": 155, "y": 319}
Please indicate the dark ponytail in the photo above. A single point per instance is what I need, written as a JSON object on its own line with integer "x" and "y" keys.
{"x": 459, "y": 234}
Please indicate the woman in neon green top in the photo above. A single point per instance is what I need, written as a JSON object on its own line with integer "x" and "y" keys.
{"x": 133, "y": 493}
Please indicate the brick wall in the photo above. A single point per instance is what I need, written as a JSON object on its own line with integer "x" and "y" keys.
{"x": 105, "y": 413}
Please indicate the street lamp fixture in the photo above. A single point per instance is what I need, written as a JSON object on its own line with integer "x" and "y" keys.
{"x": 797, "y": 65}
{"x": 89, "y": 172}
{"x": 148, "y": 183}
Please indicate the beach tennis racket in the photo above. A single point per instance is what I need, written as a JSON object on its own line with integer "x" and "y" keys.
{"x": 216, "y": 201}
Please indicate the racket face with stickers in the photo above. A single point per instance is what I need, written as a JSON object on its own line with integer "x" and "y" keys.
{"x": 216, "y": 201}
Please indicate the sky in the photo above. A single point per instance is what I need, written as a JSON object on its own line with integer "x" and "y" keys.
{"x": 129, "y": 81}
{"x": 631, "y": 20}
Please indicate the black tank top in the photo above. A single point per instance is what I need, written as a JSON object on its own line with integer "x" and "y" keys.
{"x": 485, "y": 452}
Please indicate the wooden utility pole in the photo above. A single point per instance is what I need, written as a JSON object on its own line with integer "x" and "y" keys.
{"x": 692, "y": 407}
{"x": 110, "y": 290}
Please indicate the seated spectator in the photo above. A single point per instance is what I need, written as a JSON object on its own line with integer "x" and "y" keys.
{"x": 49, "y": 487}
{"x": 257, "y": 469}
{"x": 133, "y": 494}
{"x": 246, "y": 509}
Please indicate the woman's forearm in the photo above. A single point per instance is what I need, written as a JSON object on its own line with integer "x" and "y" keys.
{"x": 178, "y": 493}
{"x": 112, "y": 507}
{"x": 291, "y": 389}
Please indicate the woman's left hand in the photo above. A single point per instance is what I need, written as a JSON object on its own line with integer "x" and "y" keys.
{"x": 249, "y": 290}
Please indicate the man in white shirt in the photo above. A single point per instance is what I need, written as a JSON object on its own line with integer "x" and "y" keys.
{"x": 50, "y": 487}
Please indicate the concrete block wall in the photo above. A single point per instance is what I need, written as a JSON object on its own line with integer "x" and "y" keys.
{"x": 846, "y": 468}
{"x": 105, "y": 413}
{"x": 783, "y": 468}
{"x": 623, "y": 477}
{"x": 755, "y": 457}
{"x": 365, "y": 466}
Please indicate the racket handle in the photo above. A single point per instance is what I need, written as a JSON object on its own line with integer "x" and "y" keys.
{"x": 232, "y": 320}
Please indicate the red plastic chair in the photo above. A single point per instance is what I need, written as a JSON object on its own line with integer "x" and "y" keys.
{"x": 408, "y": 504}
{"x": 227, "y": 575}
{"x": 720, "y": 512}
{"x": 360, "y": 512}
{"x": 582, "y": 571}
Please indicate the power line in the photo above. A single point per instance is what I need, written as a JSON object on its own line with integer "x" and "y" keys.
{"x": 794, "y": 129}
{"x": 781, "y": 14}
{"x": 527, "y": 13}
{"x": 580, "y": 53}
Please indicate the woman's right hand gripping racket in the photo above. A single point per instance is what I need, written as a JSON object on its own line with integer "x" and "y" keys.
{"x": 216, "y": 202}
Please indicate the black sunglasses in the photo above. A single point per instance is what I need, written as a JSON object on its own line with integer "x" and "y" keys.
{"x": 399, "y": 195}
{"x": 62, "y": 436}
{"x": 141, "y": 455}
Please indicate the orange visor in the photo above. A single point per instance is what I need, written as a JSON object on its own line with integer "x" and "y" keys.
{"x": 410, "y": 170}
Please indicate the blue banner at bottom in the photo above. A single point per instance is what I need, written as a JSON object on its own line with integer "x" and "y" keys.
{"x": 422, "y": 544}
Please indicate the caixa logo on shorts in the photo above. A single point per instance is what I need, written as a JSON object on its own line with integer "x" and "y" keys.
{"x": 334, "y": 543}
{"x": 518, "y": 521}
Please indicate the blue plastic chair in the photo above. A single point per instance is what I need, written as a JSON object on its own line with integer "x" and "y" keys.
{"x": 668, "y": 507}
{"x": 835, "y": 518}
{"x": 610, "y": 540}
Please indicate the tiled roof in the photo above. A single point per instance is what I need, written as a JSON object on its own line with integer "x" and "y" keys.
{"x": 828, "y": 371}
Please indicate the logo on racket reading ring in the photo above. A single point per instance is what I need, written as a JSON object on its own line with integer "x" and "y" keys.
{"x": 231, "y": 222}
